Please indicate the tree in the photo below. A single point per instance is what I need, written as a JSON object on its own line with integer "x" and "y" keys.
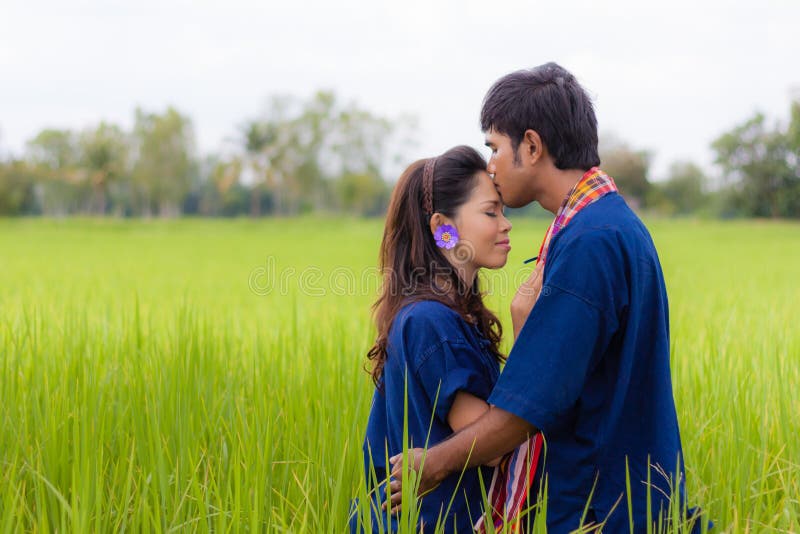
{"x": 311, "y": 154}
{"x": 365, "y": 194}
{"x": 628, "y": 167}
{"x": 271, "y": 155}
{"x": 362, "y": 141}
{"x": 17, "y": 180}
{"x": 54, "y": 156}
{"x": 162, "y": 172}
{"x": 104, "y": 159}
{"x": 760, "y": 165}
{"x": 791, "y": 199}
{"x": 218, "y": 187}
{"x": 261, "y": 147}
{"x": 683, "y": 192}
{"x": 54, "y": 149}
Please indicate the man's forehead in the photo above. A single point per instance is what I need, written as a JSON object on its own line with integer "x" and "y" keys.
{"x": 493, "y": 136}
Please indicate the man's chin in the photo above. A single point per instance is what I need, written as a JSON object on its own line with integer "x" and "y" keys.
{"x": 512, "y": 203}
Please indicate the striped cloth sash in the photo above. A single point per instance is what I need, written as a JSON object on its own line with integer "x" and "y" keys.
{"x": 511, "y": 482}
{"x": 514, "y": 476}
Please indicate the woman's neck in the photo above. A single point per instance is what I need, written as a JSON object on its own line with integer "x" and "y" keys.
{"x": 444, "y": 282}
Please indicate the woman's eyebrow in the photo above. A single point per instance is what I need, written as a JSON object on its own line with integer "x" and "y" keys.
{"x": 491, "y": 202}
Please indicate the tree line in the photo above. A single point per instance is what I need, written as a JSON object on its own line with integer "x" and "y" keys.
{"x": 320, "y": 154}
{"x": 759, "y": 166}
{"x": 296, "y": 157}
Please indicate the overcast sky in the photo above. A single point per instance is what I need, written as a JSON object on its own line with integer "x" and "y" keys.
{"x": 668, "y": 77}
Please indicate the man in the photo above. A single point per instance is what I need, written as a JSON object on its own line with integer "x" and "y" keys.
{"x": 590, "y": 367}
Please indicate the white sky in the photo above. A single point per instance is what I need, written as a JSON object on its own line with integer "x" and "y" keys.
{"x": 668, "y": 77}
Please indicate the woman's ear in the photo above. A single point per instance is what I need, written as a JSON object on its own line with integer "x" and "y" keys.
{"x": 436, "y": 222}
{"x": 437, "y": 219}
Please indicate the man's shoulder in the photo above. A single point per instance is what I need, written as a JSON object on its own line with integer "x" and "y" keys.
{"x": 607, "y": 237}
{"x": 609, "y": 211}
{"x": 608, "y": 222}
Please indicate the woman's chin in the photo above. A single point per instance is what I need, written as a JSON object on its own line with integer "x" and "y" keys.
{"x": 497, "y": 263}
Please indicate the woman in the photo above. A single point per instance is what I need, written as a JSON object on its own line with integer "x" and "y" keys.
{"x": 437, "y": 349}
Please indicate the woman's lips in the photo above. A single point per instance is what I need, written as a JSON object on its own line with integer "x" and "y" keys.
{"x": 504, "y": 244}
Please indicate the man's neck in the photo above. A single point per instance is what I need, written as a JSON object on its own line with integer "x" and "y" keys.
{"x": 559, "y": 183}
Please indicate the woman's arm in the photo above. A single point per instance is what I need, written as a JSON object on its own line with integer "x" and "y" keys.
{"x": 466, "y": 409}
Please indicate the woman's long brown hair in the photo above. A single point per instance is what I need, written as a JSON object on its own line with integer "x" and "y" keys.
{"x": 413, "y": 268}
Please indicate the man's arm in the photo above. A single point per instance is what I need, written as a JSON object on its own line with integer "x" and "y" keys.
{"x": 467, "y": 409}
{"x": 494, "y": 434}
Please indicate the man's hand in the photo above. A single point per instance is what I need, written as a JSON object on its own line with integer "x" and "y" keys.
{"x": 525, "y": 298}
{"x": 429, "y": 476}
{"x": 494, "y": 434}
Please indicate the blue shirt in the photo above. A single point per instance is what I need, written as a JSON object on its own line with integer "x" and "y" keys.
{"x": 590, "y": 369}
{"x": 432, "y": 354}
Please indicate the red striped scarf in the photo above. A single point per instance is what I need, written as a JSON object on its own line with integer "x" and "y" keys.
{"x": 513, "y": 478}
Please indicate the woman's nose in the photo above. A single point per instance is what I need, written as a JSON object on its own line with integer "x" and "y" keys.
{"x": 507, "y": 226}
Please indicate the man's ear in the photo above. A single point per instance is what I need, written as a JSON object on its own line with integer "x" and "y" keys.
{"x": 532, "y": 149}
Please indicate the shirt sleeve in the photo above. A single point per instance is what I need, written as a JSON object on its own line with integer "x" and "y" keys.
{"x": 450, "y": 367}
{"x": 566, "y": 333}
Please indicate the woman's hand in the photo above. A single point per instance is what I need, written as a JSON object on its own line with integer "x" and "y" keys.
{"x": 525, "y": 298}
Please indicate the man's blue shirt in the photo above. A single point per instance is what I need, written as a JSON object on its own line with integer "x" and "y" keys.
{"x": 590, "y": 369}
{"x": 432, "y": 355}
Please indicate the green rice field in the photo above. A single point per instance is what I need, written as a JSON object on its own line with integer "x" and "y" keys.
{"x": 196, "y": 375}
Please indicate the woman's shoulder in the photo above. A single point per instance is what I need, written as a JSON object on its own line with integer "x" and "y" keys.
{"x": 431, "y": 331}
{"x": 421, "y": 326}
{"x": 427, "y": 314}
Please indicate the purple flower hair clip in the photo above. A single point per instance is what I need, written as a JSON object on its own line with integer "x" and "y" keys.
{"x": 446, "y": 236}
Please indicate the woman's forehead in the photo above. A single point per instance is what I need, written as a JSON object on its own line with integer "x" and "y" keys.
{"x": 485, "y": 189}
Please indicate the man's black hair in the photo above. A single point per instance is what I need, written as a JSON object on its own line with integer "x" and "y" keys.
{"x": 549, "y": 100}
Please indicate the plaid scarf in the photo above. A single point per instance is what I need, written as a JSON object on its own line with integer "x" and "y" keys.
{"x": 592, "y": 186}
{"x": 515, "y": 474}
